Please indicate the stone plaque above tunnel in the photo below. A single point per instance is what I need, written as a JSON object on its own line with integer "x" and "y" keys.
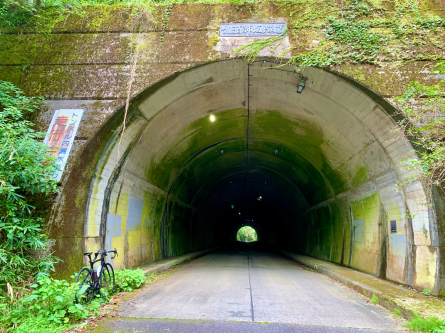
{"x": 252, "y": 29}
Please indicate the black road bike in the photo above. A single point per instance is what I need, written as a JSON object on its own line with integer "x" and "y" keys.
{"x": 98, "y": 282}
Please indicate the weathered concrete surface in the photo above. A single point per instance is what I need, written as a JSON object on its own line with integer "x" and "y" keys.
{"x": 131, "y": 325}
{"x": 334, "y": 140}
{"x": 335, "y": 172}
{"x": 163, "y": 264}
{"x": 255, "y": 286}
{"x": 390, "y": 295}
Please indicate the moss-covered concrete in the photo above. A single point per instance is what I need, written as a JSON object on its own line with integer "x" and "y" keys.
{"x": 317, "y": 171}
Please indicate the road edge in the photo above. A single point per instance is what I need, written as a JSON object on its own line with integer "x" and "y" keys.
{"x": 361, "y": 288}
{"x": 167, "y": 263}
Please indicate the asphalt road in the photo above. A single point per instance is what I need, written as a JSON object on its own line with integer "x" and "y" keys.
{"x": 237, "y": 290}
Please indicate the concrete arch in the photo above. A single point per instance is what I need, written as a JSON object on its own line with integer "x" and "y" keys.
{"x": 333, "y": 143}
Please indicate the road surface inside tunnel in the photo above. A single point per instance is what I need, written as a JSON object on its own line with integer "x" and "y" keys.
{"x": 251, "y": 285}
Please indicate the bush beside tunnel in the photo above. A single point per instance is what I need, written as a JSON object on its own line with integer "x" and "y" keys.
{"x": 325, "y": 163}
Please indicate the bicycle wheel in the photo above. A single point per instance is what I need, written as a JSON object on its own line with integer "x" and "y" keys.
{"x": 85, "y": 281}
{"x": 107, "y": 281}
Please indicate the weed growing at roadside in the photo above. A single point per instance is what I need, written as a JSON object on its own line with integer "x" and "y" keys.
{"x": 426, "y": 292}
{"x": 374, "y": 299}
{"x": 49, "y": 306}
{"x": 430, "y": 325}
{"x": 397, "y": 313}
{"x": 129, "y": 279}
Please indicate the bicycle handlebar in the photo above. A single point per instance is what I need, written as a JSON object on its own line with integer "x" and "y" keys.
{"x": 115, "y": 253}
{"x": 104, "y": 253}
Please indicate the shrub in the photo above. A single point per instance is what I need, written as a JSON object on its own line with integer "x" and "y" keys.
{"x": 129, "y": 279}
{"x": 49, "y": 307}
{"x": 25, "y": 167}
{"x": 430, "y": 325}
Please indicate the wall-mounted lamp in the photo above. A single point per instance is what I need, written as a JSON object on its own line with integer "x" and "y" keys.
{"x": 302, "y": 84}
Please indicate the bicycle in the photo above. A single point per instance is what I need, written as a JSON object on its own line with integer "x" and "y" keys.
{"x": 99, "y": 282}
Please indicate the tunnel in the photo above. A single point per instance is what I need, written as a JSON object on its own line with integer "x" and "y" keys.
{"x": 232, "y": 143}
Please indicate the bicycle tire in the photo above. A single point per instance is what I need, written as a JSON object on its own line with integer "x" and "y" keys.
{"x": 84, "y": 278}
{"x": 107, "y": 280}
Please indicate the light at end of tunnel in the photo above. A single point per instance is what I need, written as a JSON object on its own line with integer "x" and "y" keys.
{"x": 212, "y": 118}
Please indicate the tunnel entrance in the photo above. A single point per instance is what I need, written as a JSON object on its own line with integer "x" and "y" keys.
{"x": 317, "y": 171}
{"x": 246, "y": 234}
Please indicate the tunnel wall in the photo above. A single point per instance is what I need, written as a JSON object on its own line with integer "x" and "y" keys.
{"x": 85, "y": 62}
{"x": 347, "y": 218}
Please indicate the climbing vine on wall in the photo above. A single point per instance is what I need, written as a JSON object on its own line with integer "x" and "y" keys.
{"x": 360, "y": 32}
{"x": 424, "y": 109}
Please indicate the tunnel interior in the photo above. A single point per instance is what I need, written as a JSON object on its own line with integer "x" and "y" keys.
{"x": 232, "y": 143}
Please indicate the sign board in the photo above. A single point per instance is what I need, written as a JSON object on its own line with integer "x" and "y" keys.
{"x": 60, "y": 137}
{"x": 251, "y": 29}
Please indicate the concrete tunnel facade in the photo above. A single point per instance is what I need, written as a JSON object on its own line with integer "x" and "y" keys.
{"x": 325, "y": 163}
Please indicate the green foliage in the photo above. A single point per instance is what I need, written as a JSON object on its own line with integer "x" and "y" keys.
{"x": 129, "y": 279}
{"x": 354, "y": 41}
{"x": 15, "y": 12}
{"x": 358, "y": 32}
{"x": 251, "y": 50}
{"x": 374, "y": 299}
{"x": 246, "y": 234}
{"x": 165, "y": 17}
{"x": 24, "y": 173}
{"x": 309, "y": 269}
{"x": 430, "y": 325}
{"x": 397, "y": 313}
{"x": 426, "y": 292}
{"x": 425, "y": 125}
{"x": 49, "y": 307}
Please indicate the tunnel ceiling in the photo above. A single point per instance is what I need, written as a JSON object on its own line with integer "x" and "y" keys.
{"x": 266, "y": 139}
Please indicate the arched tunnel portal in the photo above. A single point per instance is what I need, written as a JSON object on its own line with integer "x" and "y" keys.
{"x": 316, "y": 172}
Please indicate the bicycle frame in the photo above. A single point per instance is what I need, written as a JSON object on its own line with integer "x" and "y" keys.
{"x": 96, "y": 273}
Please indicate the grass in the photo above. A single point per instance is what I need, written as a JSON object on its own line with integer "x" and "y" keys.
{"x": 430, "y": 325}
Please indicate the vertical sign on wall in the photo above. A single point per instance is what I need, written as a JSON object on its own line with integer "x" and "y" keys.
{"x": 60, "y": 137}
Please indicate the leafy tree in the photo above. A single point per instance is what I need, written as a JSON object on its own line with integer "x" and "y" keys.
{"x": 247, "y": 234}
{"x": 24, "y": 175}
